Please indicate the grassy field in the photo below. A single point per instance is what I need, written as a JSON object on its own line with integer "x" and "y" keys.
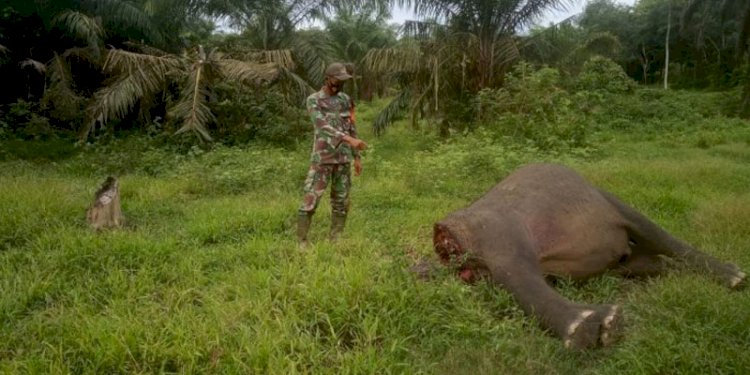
{"x": 206, "y": 276}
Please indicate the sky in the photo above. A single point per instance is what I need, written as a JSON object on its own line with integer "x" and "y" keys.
{"x": 400, "y": 14}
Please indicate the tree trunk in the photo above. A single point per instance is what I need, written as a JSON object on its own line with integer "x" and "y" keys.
{"x": 666, "y": 43}
{"x": 436, "y": 85}
{"x": 486, "y": 52}
{"x": 745, "y": 103}
{"x": 105, "y": 211}
{"x": 644, "y": 64}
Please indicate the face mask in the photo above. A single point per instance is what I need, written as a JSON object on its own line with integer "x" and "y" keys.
{"x": 336, "y": 87}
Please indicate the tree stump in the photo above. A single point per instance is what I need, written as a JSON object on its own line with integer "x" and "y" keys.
{"x": 105, "y": 211}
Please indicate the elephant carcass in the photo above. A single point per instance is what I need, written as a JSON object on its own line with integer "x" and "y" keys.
{"x": 545, "y": 219}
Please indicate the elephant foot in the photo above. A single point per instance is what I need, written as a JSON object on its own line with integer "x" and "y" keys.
{"x": 736, "y": 279}
{"x": 731, "y": 276}
{"x": 594, "y": 327}
{"x": 611, "y": 325}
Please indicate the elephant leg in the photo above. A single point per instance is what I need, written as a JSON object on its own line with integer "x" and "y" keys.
{"x": 647, "y": 238}
{"x": 579, "y": 326}
{"x": 516, "y": 269}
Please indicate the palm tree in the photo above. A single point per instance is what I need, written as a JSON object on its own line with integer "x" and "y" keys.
{"x": 73, "y": 37}
{"x": 415, "y": 64}
{"x": 487, "y": 24}
{"x": 269, "y": 51}
{"x": 466, "y": 46}
{"x": 352, "y": 34}
{"x": 283, "y": 25}
{"x": 139, "y": 77}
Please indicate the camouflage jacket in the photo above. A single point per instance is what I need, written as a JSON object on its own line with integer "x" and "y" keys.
{"x": 331, "y": 117}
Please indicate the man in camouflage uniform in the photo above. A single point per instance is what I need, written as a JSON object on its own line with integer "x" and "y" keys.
{"x": 335, "y": 147}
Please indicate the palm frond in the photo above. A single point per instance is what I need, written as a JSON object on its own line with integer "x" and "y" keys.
{"x": 391, "y": 112}
{"x": 280, "y": 57}
{"x": 506, "y": 51}
{"x": 138, "y": 75}
{"x": 314, "y": 50}
{"x": 293, "y": 86}
{"x": 147, "y": 49}
{"x": 390, "y": 60}
{"x": 82, "y": 27}
{"x": 248, "y": 72}
{"x": 527, "y": 12}
{"x": 420, "y": 29}
{"x": 83, "y": 54}
{"x": 442, "y": 9}
{"x": 192, "y": 110}
{"x": 59, "y": 74}
{"x": 126, "y": 14}
{"x": 322, "y": 8}
{"x": 36, "y": 65}
{"x": 150, "y": 72}
{"x": 4, "y": 49}
{"x": 60, "y": 94}
{"x": 194, "y": 115}
{"x": 112, "y": 102}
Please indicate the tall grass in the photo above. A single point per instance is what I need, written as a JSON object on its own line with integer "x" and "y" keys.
{"x": 206, "y": 278}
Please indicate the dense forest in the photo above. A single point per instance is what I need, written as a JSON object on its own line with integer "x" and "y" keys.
{"x": 237, "y": 70}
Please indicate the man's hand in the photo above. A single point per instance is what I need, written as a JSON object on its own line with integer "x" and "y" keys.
{"x": 357, "y": 167}
{"x": 356, "y": 143}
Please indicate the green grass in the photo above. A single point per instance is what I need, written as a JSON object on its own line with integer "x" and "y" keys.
{"x": 206, "y": 278}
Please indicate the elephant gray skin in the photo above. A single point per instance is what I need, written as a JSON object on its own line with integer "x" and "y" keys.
{"x": 546, "y": 220}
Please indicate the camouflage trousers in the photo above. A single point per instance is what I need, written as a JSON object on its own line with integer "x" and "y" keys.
{"x": 318, "y": 177}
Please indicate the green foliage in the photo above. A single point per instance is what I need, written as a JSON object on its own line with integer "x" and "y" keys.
{"x": 24, "y": 120}
{"x": 195, "y": 73}
{"x": 439, "y": 63}
{"x": 652, "y": 111}
{"x": 533, "y": 107}
{"x": 352, "y": 36}
{"x": 602, "y": 74}
{"x": 244, "y": 114}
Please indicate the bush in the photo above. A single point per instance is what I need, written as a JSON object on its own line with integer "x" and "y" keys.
{"x": 602, "y": 74}
{"x": 24, "y": 120}
{"x": 243, "y": 115}
{"x": 533, "y": 107}
{"x": 653, "y": 110}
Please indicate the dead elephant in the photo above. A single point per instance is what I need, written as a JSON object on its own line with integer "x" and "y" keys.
{"x": 546, "y": 220}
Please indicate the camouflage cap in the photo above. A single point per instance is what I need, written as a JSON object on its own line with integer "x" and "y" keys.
{"x": 338, "y": 71}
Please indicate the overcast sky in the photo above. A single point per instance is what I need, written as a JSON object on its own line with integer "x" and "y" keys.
{"x": 399, "y": 14}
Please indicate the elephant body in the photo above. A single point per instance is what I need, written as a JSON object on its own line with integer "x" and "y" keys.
{"x": 546, "y": 220}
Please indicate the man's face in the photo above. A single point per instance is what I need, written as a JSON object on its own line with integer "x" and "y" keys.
{"x": 335, "y": 85}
